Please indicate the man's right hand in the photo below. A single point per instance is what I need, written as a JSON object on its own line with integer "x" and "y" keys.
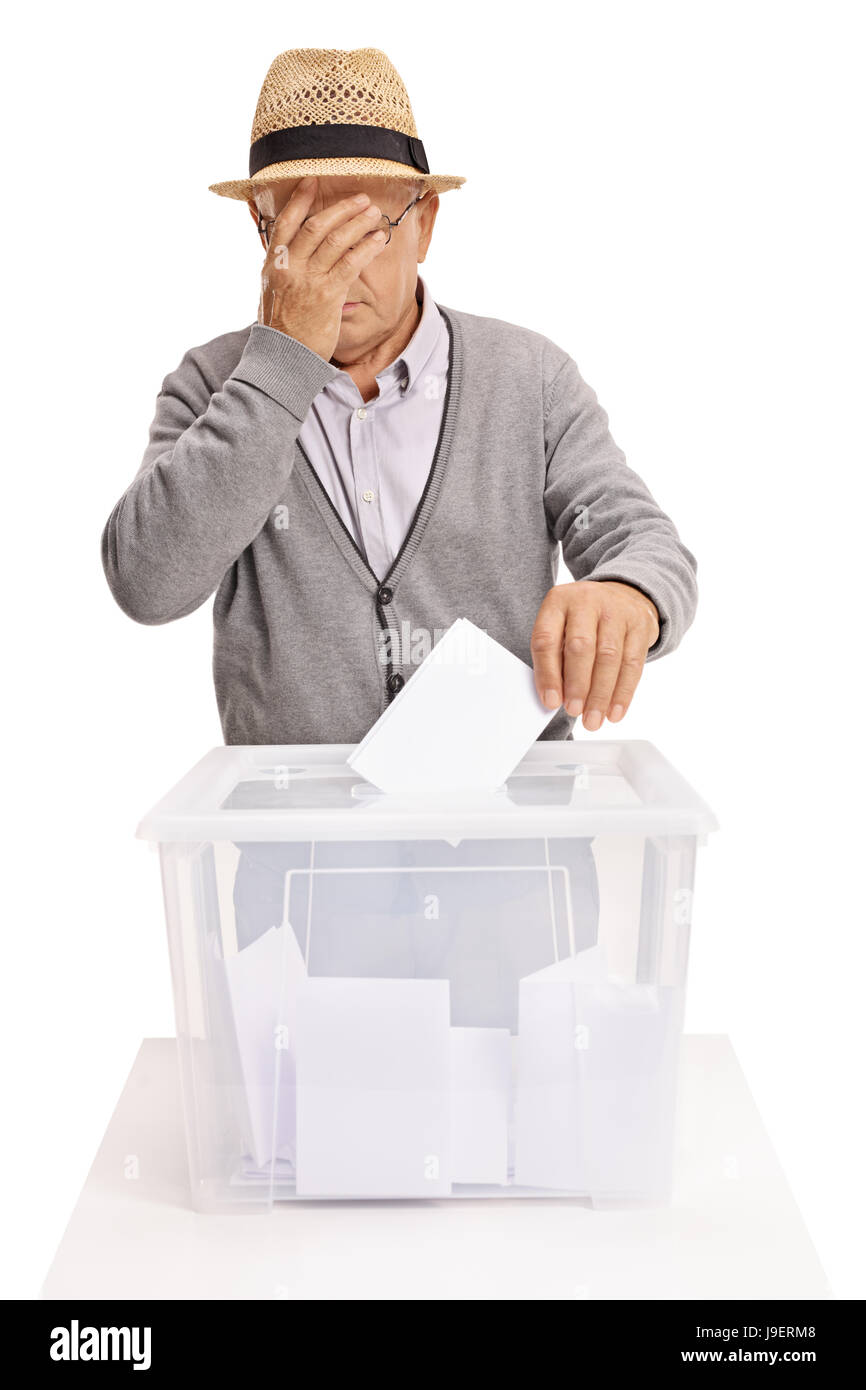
{"x": 311, "y": 264}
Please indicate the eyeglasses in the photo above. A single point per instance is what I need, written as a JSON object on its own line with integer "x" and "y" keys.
{"x": 384, "y": 225}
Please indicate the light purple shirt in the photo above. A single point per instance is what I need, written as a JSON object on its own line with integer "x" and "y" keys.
{"x": 373, "y": 457}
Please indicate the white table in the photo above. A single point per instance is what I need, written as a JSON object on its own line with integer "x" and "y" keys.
{"x": 732, "y": 1231}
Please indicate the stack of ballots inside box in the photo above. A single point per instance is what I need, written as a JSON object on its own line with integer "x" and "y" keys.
{"x": 372, "y": 1092}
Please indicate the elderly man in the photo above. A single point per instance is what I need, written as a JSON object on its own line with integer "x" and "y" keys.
{"x": 364, "y": 465}
{"x": 359, "y": 468}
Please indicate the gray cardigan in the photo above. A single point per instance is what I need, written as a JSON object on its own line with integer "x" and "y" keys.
{"x": 225, "y": 500}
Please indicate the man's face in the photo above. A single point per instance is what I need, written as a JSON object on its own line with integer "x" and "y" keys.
{"x": 384, "y": 291}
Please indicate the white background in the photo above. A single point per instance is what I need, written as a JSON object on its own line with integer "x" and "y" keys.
{"x": 672, "y": 193}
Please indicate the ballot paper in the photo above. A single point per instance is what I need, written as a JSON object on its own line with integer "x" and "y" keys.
{"x": 463, "y": 721}
{"x": 263, "y": 983}
{"x": 596, "y": 1079}
{"x": 480, "y": 1096}
{"x": 373, "y": 1071}
{"x": 548, "y": 1148}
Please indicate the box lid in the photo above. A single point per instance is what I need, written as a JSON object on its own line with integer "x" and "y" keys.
{"x": 309, "y": 792}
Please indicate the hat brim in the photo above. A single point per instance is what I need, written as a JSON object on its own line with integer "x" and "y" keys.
{"x": 243, "y": 189}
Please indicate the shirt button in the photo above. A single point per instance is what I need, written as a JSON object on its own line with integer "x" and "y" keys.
{"x": 385, "y": 594}
{"x": 361, "y": 413}
{"x": 368, "y": 496}
{"x": 395, "y": 683}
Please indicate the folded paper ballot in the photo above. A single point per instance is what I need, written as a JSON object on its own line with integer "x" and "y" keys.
{"x": 480, "y": 1096}
{"x": 263, "y": 982}
{"x": 374, "y": 1073}
{"x": 596, "y": 1079}
{"x": 548, "y": 1152}
{"x": 463, "y": 721}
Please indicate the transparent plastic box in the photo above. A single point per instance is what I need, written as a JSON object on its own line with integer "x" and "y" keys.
{"x": 462, "y": 996}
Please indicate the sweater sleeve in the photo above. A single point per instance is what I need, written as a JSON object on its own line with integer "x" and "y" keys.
{"x": 214, "y": 467}
{"x": 603, "y": 514}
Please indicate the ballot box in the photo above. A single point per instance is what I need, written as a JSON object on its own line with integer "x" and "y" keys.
{"x": 429, "y": 996}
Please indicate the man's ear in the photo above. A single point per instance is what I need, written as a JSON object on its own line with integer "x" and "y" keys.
{"x": 428, "y": 208}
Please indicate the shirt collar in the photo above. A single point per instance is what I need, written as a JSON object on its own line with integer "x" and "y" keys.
{"x": 417, "y": 352}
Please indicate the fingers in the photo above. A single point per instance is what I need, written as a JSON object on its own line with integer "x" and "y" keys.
{"x": 579, "y": 655}
{"x": 546, "y": 647}
{"x": 609, "y": 642}
{"x": 288, "y": 221}
{"x": 323, "y": 239}
{"x": 339, "y": 239}
{"x": 589, "y": 647}
{"x": 348, "y": 266}
{"x": 634, "y": 653}
{"x": 341, "y": 235}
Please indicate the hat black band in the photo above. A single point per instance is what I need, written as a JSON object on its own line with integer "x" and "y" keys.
{"x": 337, "y": 142}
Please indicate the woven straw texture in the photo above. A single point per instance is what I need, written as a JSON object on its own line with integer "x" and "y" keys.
{"x": 333, "y": 86}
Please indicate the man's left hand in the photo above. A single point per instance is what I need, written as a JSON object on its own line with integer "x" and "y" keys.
{"x": 589, "y": 646}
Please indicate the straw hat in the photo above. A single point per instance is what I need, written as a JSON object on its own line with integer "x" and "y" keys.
{"x": 334, "y": 111}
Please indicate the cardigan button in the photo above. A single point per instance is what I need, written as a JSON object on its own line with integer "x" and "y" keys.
{"x": 395, "y": 683}
{"x": 385, "y": 594}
